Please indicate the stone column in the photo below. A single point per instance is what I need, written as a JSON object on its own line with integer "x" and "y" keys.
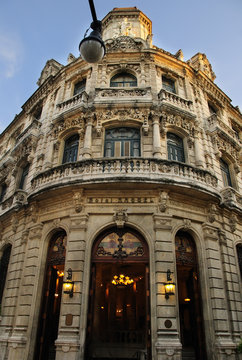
{"x": 220, "y": 325}
{"x": 68, "y": 341}
{"x": 87, "y": 146}
{"x": 168, "y": 346}
{"x": 156, "y": 137}
{"x": 198, "y": 150}
{"x": 20, "y": 341}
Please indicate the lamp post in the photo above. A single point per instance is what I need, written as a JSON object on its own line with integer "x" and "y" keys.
{"x": 92, "y": 48}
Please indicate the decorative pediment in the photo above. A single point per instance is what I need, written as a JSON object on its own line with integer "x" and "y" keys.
{"x": 64, "y": 125}
{"x": 124, "y": 43}
{"x": 51, "y": 69}
{"x": 177, "y": 121}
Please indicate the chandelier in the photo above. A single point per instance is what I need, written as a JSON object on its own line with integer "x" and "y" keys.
{"x": 122, "y": 280}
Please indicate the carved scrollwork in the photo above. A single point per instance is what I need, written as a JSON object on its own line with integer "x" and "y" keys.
{"x": 124, "y": 43}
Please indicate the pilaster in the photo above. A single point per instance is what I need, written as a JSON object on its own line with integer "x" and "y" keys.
{"x": 168, "y": 345}
{"x": 68, "y": 341}
{"x": 220, "y": 317}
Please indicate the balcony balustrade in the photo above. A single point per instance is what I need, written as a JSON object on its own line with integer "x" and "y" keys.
{"x": 123, "y": 94}
{"x": 216, "y": 124}
{"x": 72, "y": 103}
{"x": 125, "y": 170}
{"x": 170, "y": 99}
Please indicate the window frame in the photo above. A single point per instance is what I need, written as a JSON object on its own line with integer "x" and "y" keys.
{"x": 173, "y": 149}
{"x": 3, "y": 191}
{"x": 121, "y": 84}
{"x": 24, "y": 176}
{"x": 128, "y": 146}
{"x": 168, "y": 84}
{"x": 78, "y": 90}
{"x": 225, "y": 172}
{"x": 70, "y": 152}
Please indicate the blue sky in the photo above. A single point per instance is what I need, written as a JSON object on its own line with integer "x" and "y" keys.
{"x": 32, "y": 32}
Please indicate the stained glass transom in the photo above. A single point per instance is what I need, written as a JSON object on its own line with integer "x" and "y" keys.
{"x": 120, "y": 246}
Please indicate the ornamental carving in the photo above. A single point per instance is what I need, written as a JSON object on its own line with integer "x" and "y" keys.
{"x": 226, "y": 146}
{"x": 69, "y": 124}
{"x": 163, "y": 201}
{"x": 123, "y": 92}
{"x": 124, "y": 68}
{"x": 212, "y": 211}
{"x": 120, "y": 217}
{"x": 124, "y": 43}
{"x": 139, "y": 114}
{"x": 78, "y": 202}
{"x": 178, "y": 121}
{"x": 233, "y": 220}
{"x": 26, "y": 148}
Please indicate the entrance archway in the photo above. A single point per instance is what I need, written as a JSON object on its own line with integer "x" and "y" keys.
{"x": 118, "y": 317}
{"x": 51, "y": 298}
{"x": 190, "y": 309}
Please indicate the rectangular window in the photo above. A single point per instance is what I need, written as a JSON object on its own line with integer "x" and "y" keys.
{"x": 3, "y": 190}
{"x": 168, "y": 84}
{"x": 23, "y": 179}
{"x": 225, "y": 173}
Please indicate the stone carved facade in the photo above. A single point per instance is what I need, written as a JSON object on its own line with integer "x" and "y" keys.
{"x": 146, "y": 191}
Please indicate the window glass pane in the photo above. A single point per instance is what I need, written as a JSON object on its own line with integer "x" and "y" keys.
{"x": 79, "y": 87}
{"x": 71, "y": 149}
{"x": 175, "y": 148}
{"x": 4, "y": 268}
{"x": 168, "y": 84}
{"x": 122, "y": 142}
{"x": 25, "y": 171}
{"x": 239, "y": 253}
{"x": 225, "y": 173}
{"x": 123, "y": 80}
{"x": 3, "y": 190}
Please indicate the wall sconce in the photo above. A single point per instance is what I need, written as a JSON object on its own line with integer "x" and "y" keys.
{"x": 169, "y": 285}
{"x": 68, "y": 284}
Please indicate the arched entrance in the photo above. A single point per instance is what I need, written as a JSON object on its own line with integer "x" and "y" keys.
{"x": 190, "y": 309}
{"x": 51, "y": 298}
{"x": 118, "y": 318}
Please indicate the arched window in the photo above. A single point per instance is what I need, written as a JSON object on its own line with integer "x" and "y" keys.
{"x": 175, "y": 147}
{"x": 79, "y": 87}
{"x": 225, "y": 173}
{"x": 23, "y": 178}
{"x": 123, "y": 80}
{"x": 239, "y": 254}
{"x": 51, "y": 298}
{"x": 121, "y": 142}
{"x": 168, "y": 84}
{"x": 4, "y": 269}
{"x": 71, "y": 149}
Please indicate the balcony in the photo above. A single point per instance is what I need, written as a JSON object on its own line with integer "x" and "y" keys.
{"x": 122, "y": 170}
{"x": 175, "y": 102}
{"x": 71, "y": 104}
{"x": 216, "y": 125}
{"x": 121, "y": 95}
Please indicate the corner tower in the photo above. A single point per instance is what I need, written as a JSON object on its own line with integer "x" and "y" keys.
{"x": 128, "y": 21}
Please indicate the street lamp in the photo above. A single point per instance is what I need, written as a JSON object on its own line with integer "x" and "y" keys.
{"x": 92, "y": 48}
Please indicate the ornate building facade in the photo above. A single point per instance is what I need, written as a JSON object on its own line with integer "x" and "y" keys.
{"x": 120, "y": 208}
